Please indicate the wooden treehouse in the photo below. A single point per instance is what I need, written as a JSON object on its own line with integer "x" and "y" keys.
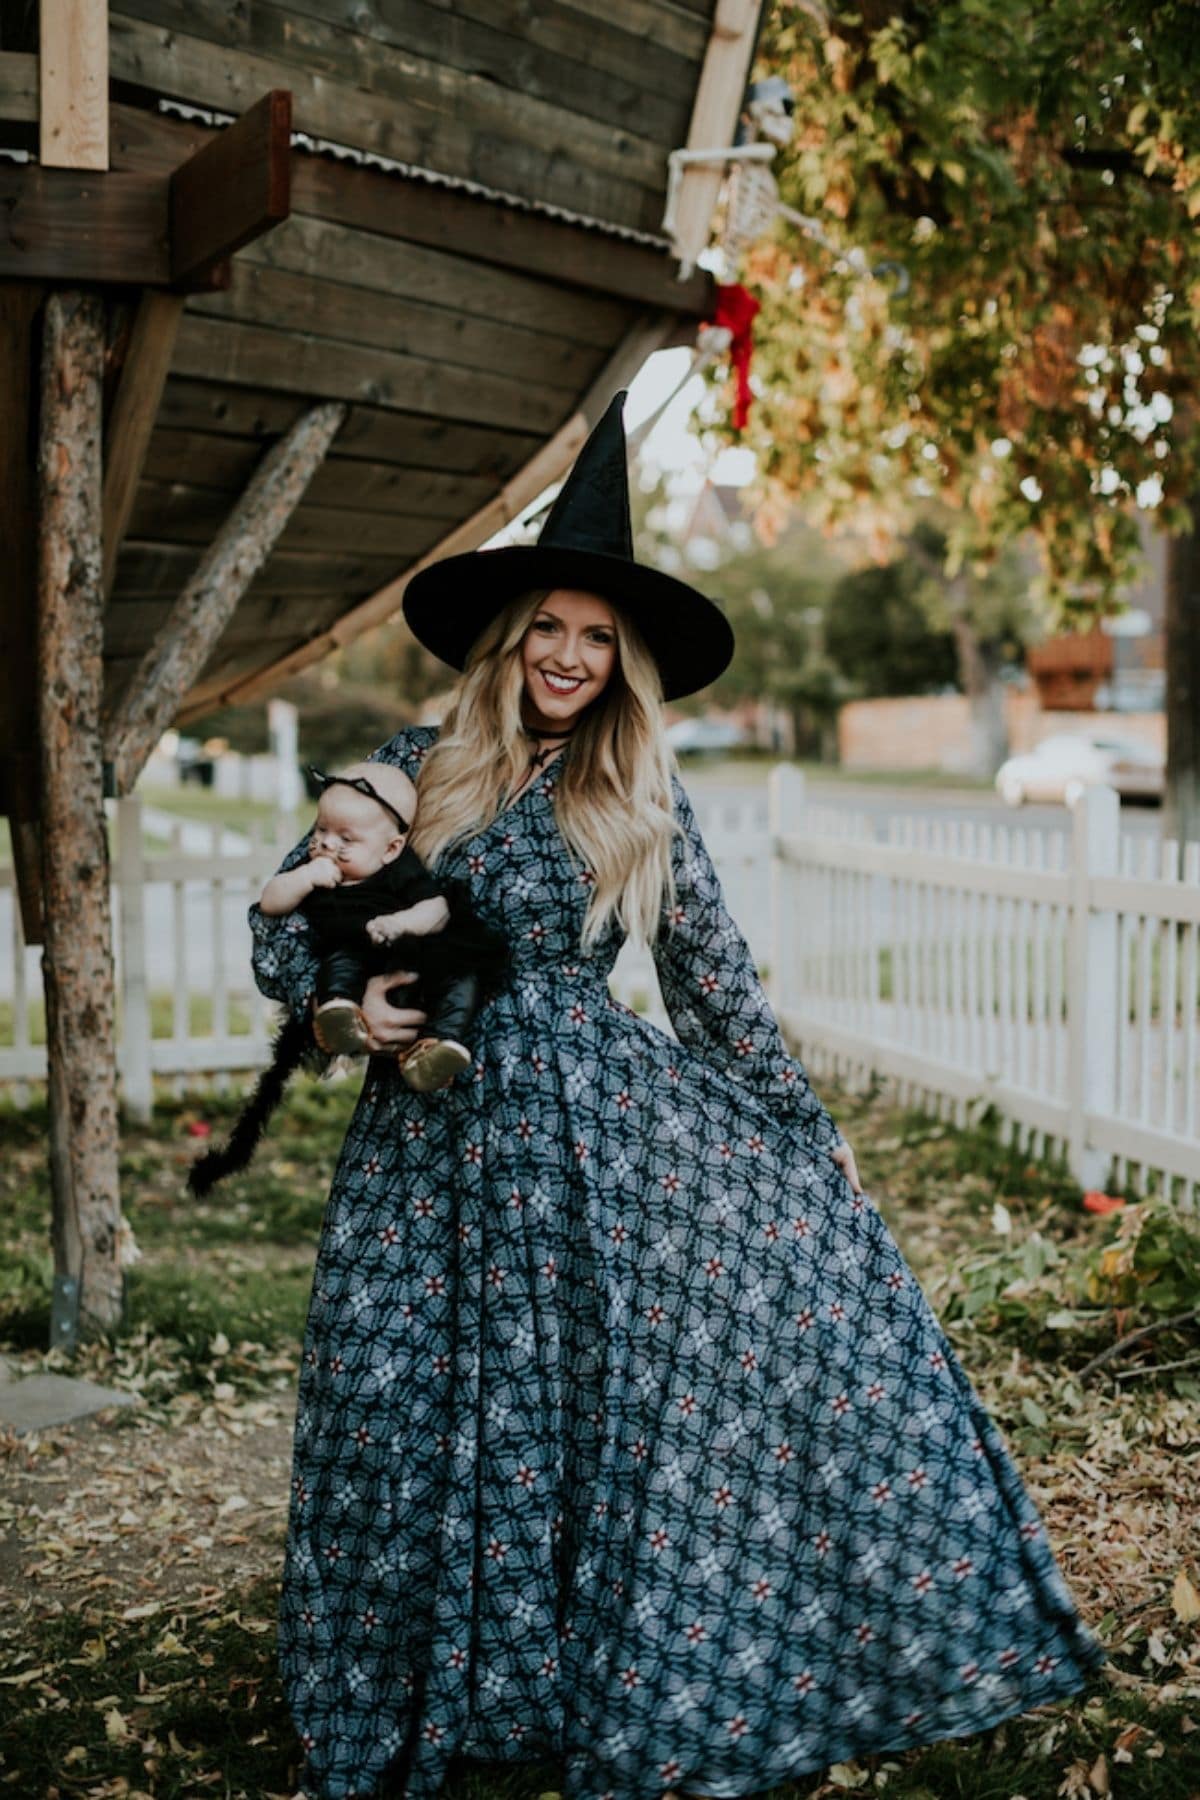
{"x": 294, "y": 297}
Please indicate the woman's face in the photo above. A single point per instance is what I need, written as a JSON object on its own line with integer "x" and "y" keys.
{"x": 567, "y": 655}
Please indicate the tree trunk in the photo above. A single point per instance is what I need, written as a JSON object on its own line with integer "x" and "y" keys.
{"x": 977, "y": 672}
{"x": 77, "y": 962}
{"x": 1182, "y": 801}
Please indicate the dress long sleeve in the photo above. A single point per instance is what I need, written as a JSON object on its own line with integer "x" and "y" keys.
{"x": 283, "y": 956}
{"x": 713, "y": 994}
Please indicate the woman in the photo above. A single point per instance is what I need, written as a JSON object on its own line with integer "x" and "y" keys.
{"x": 625, "y": 1433}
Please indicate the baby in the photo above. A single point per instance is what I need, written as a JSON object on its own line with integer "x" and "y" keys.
{"x": 363, "y": 891}
{"x": 374, "y": 909}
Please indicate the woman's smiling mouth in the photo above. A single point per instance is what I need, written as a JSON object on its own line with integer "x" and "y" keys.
{"x": 561, "y": 684}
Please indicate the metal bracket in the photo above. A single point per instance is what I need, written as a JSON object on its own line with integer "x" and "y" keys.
{"x": 64, "y": 1313}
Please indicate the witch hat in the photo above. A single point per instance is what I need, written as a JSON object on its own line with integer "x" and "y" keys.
{"x": 586, "y": 543}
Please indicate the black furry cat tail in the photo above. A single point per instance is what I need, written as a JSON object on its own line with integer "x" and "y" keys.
{"x": 293, "y": 1044}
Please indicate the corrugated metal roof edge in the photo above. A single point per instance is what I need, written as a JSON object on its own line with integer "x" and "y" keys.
{"x": 431, "y": 177}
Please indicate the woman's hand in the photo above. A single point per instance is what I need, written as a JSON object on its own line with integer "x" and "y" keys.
{"x": 391, "y": 1027}
{"x": 843, "y": 1156}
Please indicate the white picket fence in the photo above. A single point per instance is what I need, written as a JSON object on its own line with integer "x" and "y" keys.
{"x": 1052, "y": 975}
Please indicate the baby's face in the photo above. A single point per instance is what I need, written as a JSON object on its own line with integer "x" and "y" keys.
{"x": 355, "y": 832}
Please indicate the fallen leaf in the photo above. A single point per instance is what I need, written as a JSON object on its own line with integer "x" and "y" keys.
{"x": 1184, "y": 1599}
{"x": 1098, "y": 1775}
{"x": 115, "y": 1728}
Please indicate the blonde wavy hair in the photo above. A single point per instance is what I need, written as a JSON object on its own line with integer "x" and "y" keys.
{"x": 613, "y": 799}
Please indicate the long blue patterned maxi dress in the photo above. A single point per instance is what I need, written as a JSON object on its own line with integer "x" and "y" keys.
{"x": 625, "y": 1433}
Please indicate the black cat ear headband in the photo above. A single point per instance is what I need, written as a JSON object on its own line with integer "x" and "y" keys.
{"x": 361, "y": 785}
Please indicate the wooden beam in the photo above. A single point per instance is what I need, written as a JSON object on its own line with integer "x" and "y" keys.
{"x": 183, "y": 646}
{"x": 133, "y": 414}
{"x": 77, "y": 966}
{"x": 64, "y": 226}
{"x": 714, "y": 119}
{"x": 73, "y": 72}
{"x": 550, "y": 462}
{"x": 19, "y": 84}
{"x": 232, "y": 190}
{"x": 149, "y": 227}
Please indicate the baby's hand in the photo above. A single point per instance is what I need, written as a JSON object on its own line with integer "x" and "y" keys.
{"x": 324, "y": 872}
{"x": 411, "y": 921}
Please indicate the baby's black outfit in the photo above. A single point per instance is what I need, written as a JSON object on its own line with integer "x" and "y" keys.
{"x": 455, "y": 966}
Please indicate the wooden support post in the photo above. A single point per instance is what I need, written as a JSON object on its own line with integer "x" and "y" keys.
{"x": 133, "y": 414}
{"x": 201, "y": 613}
{"x": 77, "y": 963}
{"x": 20, "y": 306}
{"x": 137, "y": 1077}
{"x": 73, "y": 71}
{"x": 714, "y": 120}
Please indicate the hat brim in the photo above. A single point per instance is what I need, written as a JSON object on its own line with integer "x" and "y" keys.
{"x": 448, "y": 604}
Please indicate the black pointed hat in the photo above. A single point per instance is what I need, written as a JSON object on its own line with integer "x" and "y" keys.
{"x": 585, "y": 543}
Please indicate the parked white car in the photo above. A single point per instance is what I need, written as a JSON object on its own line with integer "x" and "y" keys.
{"x": 691, "y": 737}
{"x": 1060, "y": 767}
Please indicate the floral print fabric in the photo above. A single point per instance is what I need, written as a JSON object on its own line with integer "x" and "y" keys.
{"x": 625, "y": 1433}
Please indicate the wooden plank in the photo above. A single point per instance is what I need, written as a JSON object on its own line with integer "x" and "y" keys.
{"x": 77, "y": 967}
{"x": 191, "y": 515}
{"x": 64, "y": 226}
{"x": 551, "y": 461}
{"x": 234, "y": 189}
{"x": 400, "y": 107}
{"x": 295, "y": 362}
{"x": 73, "y": 84}
{"x": 464, "y": 225}
{"x": 714, "y": 120}
{"x": 460, "y": 225}
{"x": 559, "y": 27}
{"x": 226, "y": 463}
{"x": 133, "y": 413}
{"x": 264, "y": 296}
{"x": 585, "y": 67}
{"x": 148, "y": 570}
{"x": 248, "y": 632}
{"x": 446, "y": 107}
{"x": 403, "y": 270}
{"x": 240, "y": 549}
{"x": 420, "y": 441}
{"x": 20, "y": 84}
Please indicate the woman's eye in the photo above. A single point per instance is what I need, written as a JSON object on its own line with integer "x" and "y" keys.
{"x": 545, "y": 625}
